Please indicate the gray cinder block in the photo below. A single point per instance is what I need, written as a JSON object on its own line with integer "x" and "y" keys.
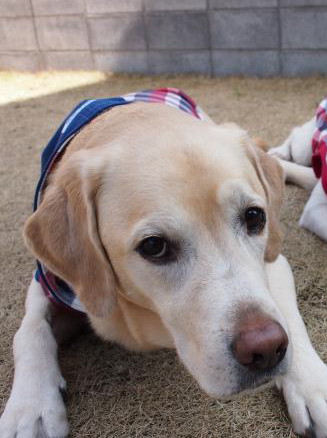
{"x": 17, "y": 34}
{"x": 117, "y": 32}
{"x": 175, "y": 5}
{"x": 179, "y": 62}
{"x": 25, "y": 61}
{"x": 222, "y": 37}
{"x": 247, "y": 29}
{"x": 62, "y": 33}
{"x": 69, "y": 60}
{"x": 304, "y": 63}
{"x": 178, "y": 31}
{"x": 58, "y": 7}
{"x": 105, "y": 6}
{"x": 249, "y": 63}
{"x": 15, "y": 8}
{"x": 285, "y": 3}
{"x": 117, "y": 62}
{"x": 304, "y": 28}
{"x": 216, "y": 4}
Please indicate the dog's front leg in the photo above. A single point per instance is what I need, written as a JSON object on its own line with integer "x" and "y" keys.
{"x": 315, "y": 212}
{"x": 305, "y": 384}
{"x": 302, "y": 176}
{"x": 297, "y": 147}
{"x": 35, "y": 407}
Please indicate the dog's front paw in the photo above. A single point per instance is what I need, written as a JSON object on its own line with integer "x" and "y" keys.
{"x": 282, "y": 152}
{"x": 42, "y": 415}
{"x": 305, "y": 392}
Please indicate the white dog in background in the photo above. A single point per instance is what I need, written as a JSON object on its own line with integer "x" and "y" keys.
{"x": 306, "y": 147}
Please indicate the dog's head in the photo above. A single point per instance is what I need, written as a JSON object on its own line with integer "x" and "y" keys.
{"x": 178, "y": 216}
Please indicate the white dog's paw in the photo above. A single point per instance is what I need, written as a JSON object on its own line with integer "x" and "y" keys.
{"x": 283, "y": 152}
{"x": 305, "y": 392}
{"x": 42, "y": 415}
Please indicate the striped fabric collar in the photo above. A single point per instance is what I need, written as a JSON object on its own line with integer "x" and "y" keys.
{"x": 56, "y": 289}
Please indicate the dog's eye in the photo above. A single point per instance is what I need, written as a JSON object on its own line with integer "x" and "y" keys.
{"x": 255, "y": 220}
{"x": 156, "y": 249}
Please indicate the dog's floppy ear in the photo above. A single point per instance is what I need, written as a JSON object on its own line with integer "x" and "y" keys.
{"x": 63, "y": 234}
{"x": 260, "y": 143}
{"x": 271, "y": 176}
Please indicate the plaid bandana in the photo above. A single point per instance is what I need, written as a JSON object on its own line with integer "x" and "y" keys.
{"x": 56, "y": 289}
{"x": 319, "y": 145}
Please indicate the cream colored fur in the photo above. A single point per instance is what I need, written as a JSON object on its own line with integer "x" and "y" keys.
{"x": 146, "y": 169}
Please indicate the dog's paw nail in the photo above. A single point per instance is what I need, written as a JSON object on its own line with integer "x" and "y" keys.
{"x": 309, "y": 433}
{"x": 63, "y": 384}
{"x": 63, "y": 393}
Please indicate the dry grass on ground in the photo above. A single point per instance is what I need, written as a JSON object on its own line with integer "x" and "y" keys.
{"x": 113, "y": 393}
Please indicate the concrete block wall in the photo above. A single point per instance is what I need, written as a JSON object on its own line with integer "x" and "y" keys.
{"x": 214, "y": 37}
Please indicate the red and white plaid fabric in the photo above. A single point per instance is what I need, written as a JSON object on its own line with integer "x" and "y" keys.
{"x": 319, "y": 145}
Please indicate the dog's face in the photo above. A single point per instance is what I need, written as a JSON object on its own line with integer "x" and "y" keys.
{"x": 177, "y": 216}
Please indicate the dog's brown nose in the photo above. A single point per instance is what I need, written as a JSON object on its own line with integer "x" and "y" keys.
{"x": 260, "y": 343}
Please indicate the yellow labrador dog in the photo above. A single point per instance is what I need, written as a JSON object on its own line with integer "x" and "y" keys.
{"x": 166, "y": 228}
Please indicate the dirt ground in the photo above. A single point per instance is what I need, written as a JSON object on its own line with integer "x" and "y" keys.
{"x": 113, "y": 393}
